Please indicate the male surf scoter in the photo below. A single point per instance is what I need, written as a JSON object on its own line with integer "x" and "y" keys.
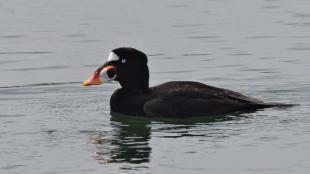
{"x": 177, "y": 99}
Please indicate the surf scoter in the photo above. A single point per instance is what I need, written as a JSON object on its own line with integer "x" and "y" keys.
{"x": 178, "y": 99}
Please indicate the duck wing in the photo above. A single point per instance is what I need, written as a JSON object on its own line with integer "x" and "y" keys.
{"x": 194, "y": 88}
{"x": 187, "y": 99}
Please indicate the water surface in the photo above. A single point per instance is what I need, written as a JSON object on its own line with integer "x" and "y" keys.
{"x": 49, "y": 124}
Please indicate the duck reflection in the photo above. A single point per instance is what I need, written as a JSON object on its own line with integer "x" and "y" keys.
{"x": 129, "y": 141}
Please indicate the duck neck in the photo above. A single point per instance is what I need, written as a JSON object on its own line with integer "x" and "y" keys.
{"x": 137, "y": 81}
{"x": 135, "y": 86}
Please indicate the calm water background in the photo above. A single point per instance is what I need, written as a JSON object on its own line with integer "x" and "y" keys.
{"x": 49, "y": 124}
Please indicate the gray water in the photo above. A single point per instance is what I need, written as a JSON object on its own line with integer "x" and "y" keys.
{"x": 50, "y": 124}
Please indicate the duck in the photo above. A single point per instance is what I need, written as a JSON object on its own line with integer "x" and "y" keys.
{"x": 174, "y": 99}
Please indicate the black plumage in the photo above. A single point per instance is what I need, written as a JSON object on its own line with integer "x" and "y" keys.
{"x": 181, "y": 99}
{"x": 177, "y": 99}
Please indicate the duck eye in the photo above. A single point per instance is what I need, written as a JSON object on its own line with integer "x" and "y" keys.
{"x": 111, "y": 73}
{"x": 123, "y": 60}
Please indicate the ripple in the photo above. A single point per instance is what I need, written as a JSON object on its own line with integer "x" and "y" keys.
{"x": 27, "y": 52}
{"x": 291, "y": 61}
{"x": 131, "y": 168}
{"x": 278, "y": 91}
{"x": 40, "y": 84}
{"x": 301, "y": 24}
{"x": 38, "y": 68}
{"x": 258, "y": 70}
{"x": 195, "y": 54}
{"x": 13, "y": 166}
{"x": 265, "y": 58}
{"x": 232, "y": 65}
{"x": 203, "y": 37}
{"x": 186, "y": 25}
{"x": 172, "y": 72}
{"x": 217, "y": 79}
{"x": 75, "y": 35}
{"x": 260, "y": 37}
{"x": 300, "y": 48}
{"x": 225, "y": 48}
{"x": 16, "y": 98}
{"x": 84, "y": 24}
{"x": 270, "y": 6}
{"x": 300, "y": 37}
{"x": 155, "y": 54}
{"x": 181, "y": 135}
{"x": 4, "y": 62}
{"x": 50, "y": 131}
{"x": 90, "y": 40}
{"x": 43, "y": 31}
{"x": 25, "y": 133}
{"x": 13, "y": 36}
{"x": 241, "y": 54}
{"x": 91, "y": 65}
{"x": 301, "y": 15}
{"x": 10, "y": 116}
{"x": 88, "y": 131}
{"x": 178, "y": 6}
{"x": 169, "y": 57}
{"x": 207, "y": 60}
{"x": 269, "y": 77}
{"x": 268, "y": 138}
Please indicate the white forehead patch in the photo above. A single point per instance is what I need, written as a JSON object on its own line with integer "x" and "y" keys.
{"x": 113, "y": 57}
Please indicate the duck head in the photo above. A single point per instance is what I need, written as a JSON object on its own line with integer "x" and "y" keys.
{"x": 126, "y": 65}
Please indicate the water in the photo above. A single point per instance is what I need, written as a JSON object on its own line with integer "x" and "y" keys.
{"x": 49, "y": 124}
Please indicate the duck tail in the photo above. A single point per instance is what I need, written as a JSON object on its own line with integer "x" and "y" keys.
{"x": 280, "y": 105}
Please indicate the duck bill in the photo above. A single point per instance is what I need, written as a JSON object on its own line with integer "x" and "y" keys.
{"x": 101, "y": 75}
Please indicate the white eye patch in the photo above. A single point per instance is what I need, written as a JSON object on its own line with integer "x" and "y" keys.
{"x": 113, "y": 57}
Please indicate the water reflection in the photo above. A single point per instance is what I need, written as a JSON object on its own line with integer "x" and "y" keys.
{"x": 129, "y": 142}
{"x": 129, "y": 138}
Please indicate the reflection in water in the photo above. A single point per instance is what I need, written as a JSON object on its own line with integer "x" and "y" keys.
{"x": 129, "y": 142}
